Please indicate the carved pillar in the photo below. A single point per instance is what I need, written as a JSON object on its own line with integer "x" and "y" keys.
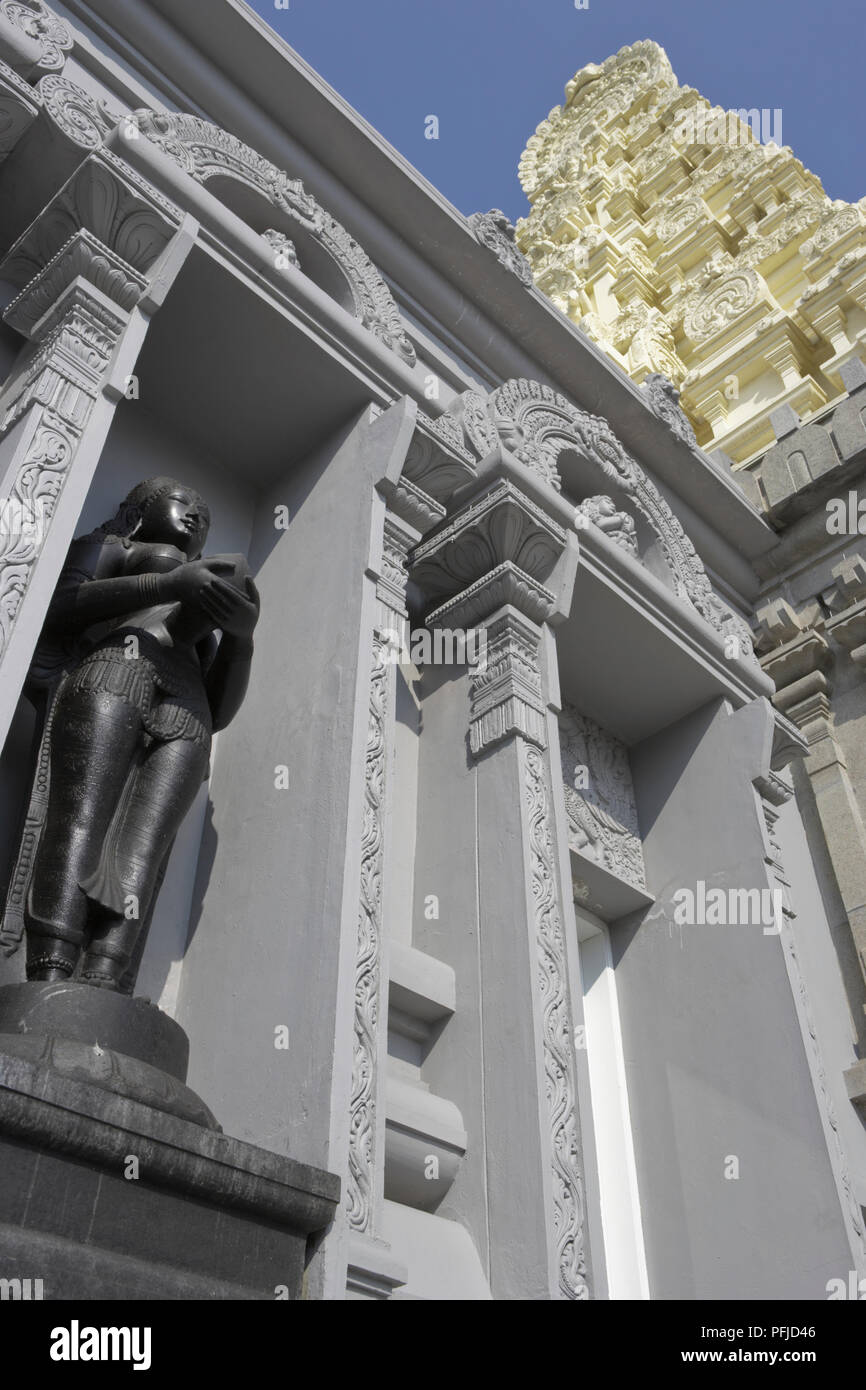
{"x": 504, "y": 565}
{"x": 372, "y": 1273}
{"x": 774, "y": 791}
{"x": 799, "y": 662}
{"x": 92, "y": 269}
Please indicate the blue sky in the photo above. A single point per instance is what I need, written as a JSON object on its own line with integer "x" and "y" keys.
{"x": 490, "y": 70}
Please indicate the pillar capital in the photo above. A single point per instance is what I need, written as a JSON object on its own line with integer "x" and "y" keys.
{"x": 129, "y": 223}
{"x": 506, "y": 690}
{"x": 500, "y": 548}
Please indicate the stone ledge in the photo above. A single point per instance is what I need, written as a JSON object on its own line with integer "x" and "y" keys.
{"x": 421, "y": 986}
{"x": 46, "y": 1111}
{"x": 373, "y": 1272}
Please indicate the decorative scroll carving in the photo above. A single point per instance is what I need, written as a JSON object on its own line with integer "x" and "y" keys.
{"x": 799, "y": 215}
{"x": 362, "y": 1104}
{"x": 28, "y": 510}
{"x": 671, "y": 219}
{"x": 663, "y": 399}
{"x": 722, "y": 304}
{"x": 81, "y": 118}
{"x": 395, "y": 566}
{"x": 205, "y": 151}
{"x": 496, "y": 232}
{"x": 560, "y": 1085}
{"x": 12, "y": 924}
{"x": 391, "y": 593}
{"x": 480, "y": 430}
{"x": 63, "y": 376}
{"x": 46, "y": 29}
{"x": 647, "y": 338}
{"x": 599, "y": 797}
{"x": 505, "y": 695}
{"x": 837, "y": 219}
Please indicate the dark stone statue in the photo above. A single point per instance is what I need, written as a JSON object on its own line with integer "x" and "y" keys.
{"x": 132, "y": 681}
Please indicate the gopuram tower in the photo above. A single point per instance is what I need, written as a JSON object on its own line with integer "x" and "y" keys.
{"x": 686, "y": 241}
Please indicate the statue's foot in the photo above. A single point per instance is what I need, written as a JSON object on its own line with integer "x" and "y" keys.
{"x": 99, "y": 981}
{"x": 49, "y": 974}
{"x": 102, "y": 972}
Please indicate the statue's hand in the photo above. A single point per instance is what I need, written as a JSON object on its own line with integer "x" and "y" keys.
{"x": 193, "y": 582}
{"x": 235, "y": 613}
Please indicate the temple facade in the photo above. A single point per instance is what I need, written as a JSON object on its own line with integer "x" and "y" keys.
{"x": 517, "y": 930}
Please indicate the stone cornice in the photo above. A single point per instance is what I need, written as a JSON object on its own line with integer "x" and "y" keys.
{"x": 789, "y": 663}
{"x": 849, "y": 630}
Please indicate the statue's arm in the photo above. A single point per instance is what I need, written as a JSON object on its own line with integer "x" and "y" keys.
{"x": 93, "y": 587}
{"x": 235, "y": 613}
{"x": 228, "y": 677}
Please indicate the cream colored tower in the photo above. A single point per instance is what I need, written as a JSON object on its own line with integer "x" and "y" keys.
{"x": 683, "y": 245}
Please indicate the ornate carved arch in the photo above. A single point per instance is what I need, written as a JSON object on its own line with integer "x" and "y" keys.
{"x": 205, "y": 151}
{"x": 536, "y": 424}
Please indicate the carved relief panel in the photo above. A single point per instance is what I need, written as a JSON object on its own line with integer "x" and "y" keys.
{"x": 599, "y": 797}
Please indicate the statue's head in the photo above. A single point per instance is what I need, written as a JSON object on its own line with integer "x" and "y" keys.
{"x": 162, "y": 511}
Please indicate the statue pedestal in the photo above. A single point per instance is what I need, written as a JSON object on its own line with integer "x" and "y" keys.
{"x": 117, "y": 1182}
{"x": 123, "y": 1045}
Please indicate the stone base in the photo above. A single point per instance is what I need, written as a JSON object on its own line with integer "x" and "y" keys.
{"x": 373, "y": 1273}
{"x": 119, "y": 1044}
{"x": 103, "y": 1197}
